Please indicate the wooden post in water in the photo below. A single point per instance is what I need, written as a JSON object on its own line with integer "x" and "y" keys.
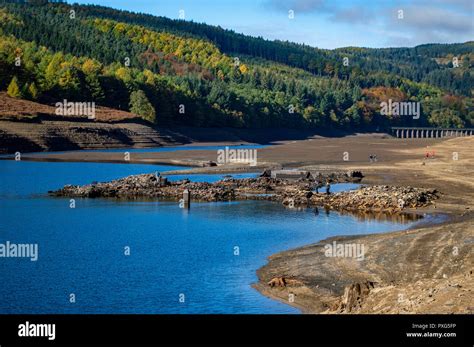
{"x": 187, "y": 198}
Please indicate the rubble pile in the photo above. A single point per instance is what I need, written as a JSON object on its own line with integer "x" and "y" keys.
{"x": 291, "y": 193}
{"x": 378, "y": 198}
{"x": 148, "y": 186}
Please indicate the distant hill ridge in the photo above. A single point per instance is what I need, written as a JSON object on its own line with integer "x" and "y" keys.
{"x": 185, "y": 73}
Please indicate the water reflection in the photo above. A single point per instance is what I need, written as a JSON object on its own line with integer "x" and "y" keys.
{"x": 402, "y": 218}
{"x": 363, "y": 216}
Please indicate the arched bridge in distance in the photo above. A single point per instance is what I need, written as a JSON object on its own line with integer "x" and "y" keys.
{"x": 429, "y": 133}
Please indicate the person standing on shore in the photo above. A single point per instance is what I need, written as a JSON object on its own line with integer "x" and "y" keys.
{"x": 328, "y": 188}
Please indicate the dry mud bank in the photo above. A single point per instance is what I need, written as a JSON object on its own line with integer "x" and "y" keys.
{"x": 425, "y": 270}
{"x": 428, "y": 269}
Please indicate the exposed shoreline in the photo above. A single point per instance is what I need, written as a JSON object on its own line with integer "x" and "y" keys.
{"x": 312, "y": 303}
{"x": 427, "y": 268}
{"x": 359, "y": 290}
{"x": 409, "y": 271}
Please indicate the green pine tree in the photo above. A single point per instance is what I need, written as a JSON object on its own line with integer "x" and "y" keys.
{"x": 95, "y": 89}
{"x": 33, "y": 91}
{"x": 140, "y": 105}
{"x": 14, "y": 89}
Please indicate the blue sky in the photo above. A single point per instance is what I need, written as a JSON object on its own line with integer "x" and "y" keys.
{"x": 325, "y": 23}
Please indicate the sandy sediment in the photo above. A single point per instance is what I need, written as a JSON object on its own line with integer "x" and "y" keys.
{"x": 427, "y": 269}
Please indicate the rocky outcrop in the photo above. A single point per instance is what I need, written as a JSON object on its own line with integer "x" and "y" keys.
{"x": 378, "y": 198}
{"x": 337, "y": 176}
{"x": 148, "y": 186}
{"x": 371, "y": 198}
{"x": 209, "y": 164}
{"x": 283, "y": 282}
{"x": 291, "y": 193}
{"x": 355, "y": 175}
{"x": 318, "y": 177}
{"x": 354, "y": 296}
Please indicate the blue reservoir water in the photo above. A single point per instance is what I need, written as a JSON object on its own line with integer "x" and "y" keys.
{"x": 173, "y": 251}
{"x": 151, "y": 149}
